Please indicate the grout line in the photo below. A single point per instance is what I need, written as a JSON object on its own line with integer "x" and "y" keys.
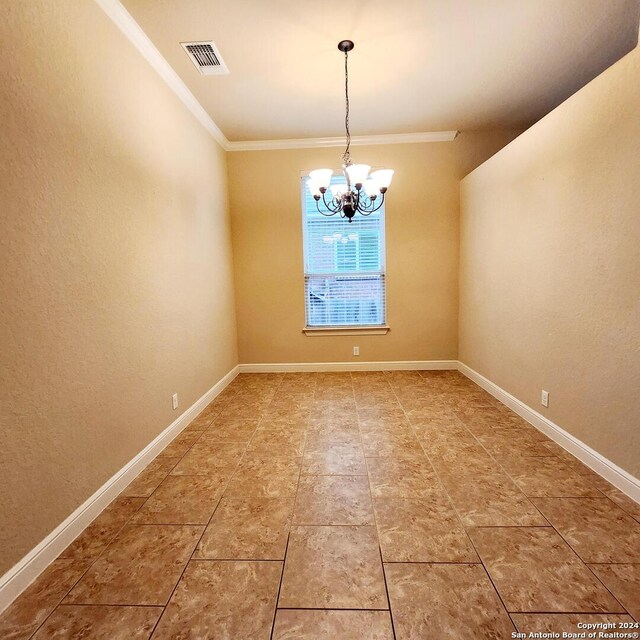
{"x": 89, "y": 561}
{"x": 608, "y": 563}
{"x": 437, "y": 475}
{"x": 451, "y": 502}
{"x": 63, "y": 597}
{"x": 237, "y": 560}
{"x": 511, "y": 526}
{"x": 384, "y": 573}
{"x": 569, "y": 613}
{"x": 593, "y": 573}
{"x": 175, "y": 587}
{"x": 493, "y": 584}
{"x": 429, "y": 562}
{"x": 291, "y": 515}
{"x": 513, "y": 622}
{"x": 101, "y": 604}
{"x": 329, "y": 609}
{"x": 603, "y": 497}
{"x": 275, "y": 608}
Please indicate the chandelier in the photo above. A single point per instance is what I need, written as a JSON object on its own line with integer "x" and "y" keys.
{"x": 364, "y": 193}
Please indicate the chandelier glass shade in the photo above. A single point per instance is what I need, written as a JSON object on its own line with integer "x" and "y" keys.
{"x": 365, "y": 190}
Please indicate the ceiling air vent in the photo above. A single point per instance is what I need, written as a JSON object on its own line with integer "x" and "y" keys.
{"x": 206, "y": 58}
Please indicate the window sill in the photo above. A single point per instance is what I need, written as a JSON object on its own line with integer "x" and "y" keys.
{"x": 346, "y": 331}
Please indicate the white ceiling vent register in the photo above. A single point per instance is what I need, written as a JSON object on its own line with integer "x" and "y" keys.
{"x": 206, "y": 58}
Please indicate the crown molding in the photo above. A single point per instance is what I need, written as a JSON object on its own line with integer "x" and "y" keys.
{"x": 311, "y": 143}
{"x": 134, "y": 33}
{"x": 132, "y": 30}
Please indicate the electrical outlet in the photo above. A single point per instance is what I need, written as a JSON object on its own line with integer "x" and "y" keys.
{"x": 174, "y": 400}
{"x": 544, "y": 398}
{"x": 356, "y": 351}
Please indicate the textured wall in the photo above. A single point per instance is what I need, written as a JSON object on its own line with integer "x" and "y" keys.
{"x": 421, "y": 242}
{"x": 115, "y": 261}
{"x": 550, "y": 266}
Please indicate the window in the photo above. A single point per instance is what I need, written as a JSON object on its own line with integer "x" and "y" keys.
{"x": 344, "y": 266}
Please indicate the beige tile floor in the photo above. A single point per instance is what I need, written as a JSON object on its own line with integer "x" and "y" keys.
{"x": 347, "y": 506}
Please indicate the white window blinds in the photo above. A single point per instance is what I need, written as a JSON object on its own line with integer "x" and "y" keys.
{"x": 344, "y": 266}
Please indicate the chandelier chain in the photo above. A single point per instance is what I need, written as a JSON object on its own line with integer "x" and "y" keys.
{"x": 346, "y": 157}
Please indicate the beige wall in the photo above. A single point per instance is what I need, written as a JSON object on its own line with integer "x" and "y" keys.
{"x": 422, "y": 250}
{"x": 550, "y": 265}
{"x": 115, "y": 262}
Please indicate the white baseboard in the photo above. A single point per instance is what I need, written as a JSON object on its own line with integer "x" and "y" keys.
{"x": 297, "y": 367}
{"x": 618, "y": 477}
{"x": 20, "y": 576}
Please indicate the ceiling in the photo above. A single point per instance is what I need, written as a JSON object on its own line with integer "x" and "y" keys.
{"x": 418, "y": 65}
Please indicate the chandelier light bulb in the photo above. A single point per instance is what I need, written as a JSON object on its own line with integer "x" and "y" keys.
{"x": 321, "y": 177}
{"x": 314, "y": 188}
{"x": 371, "y": 188}
{"x": 383, "y": 178}
{"x": 358, "y": 173}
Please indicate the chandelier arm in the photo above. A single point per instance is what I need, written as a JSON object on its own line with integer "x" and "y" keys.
{"x": 368, "y": 211}
{"x": 364, "y": 203}
{"x": 361, "y": 202}
{"x": 321, "y": 212}
{"x": 379, "y": 205}
{"x": 333, "y": 208}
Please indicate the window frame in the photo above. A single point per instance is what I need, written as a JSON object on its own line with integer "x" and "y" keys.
{"x": 362, "y": 329}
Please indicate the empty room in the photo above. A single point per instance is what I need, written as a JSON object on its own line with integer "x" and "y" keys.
{"x": 319, "y": 320}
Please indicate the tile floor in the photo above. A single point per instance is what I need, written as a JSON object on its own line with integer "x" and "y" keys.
{"x": 382, "y": 505}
